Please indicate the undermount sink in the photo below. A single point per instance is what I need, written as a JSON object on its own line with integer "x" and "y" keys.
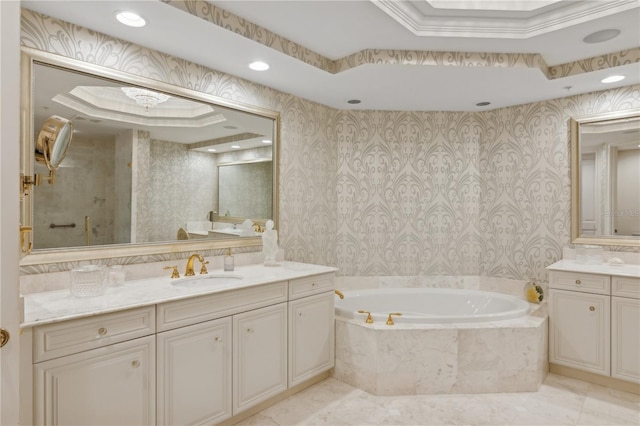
{"x": 198, "y": 280}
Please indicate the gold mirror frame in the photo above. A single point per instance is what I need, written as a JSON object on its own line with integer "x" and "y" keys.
{"x": 574, "y": 127}
{"x": 46, "y": 256}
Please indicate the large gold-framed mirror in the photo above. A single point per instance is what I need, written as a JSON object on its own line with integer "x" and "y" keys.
{"x": 144, "y": 164}
{"x": 605, "y": 179}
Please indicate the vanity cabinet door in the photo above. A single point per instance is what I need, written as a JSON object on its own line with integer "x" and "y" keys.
{"x": 625, "y": 339}
{"x": 260, "y": 355}
{"x": 194, "y": 374}
{"x": 311, "y": 337}
{"x": 112, "y": 385}
{"x": 580, "y": 330}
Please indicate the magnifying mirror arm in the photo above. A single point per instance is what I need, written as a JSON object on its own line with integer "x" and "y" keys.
{"x": 36, "y": 180}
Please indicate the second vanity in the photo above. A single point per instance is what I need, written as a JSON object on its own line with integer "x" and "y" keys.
{"x": 196, "y": 350}
{"x": 594, "y": 321}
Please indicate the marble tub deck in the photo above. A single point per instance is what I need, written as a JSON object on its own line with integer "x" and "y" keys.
{"x": 559, "y": 401}
{"x": 422, "y": 359}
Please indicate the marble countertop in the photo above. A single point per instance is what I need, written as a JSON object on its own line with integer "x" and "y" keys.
{"x": 54, "y": 306}
{"x": 625, "y": 270}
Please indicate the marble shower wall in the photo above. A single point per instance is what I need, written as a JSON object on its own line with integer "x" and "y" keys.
{"x": 437, "y": 193}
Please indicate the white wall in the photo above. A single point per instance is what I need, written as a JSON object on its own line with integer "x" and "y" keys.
{"x": 9, "y": 207}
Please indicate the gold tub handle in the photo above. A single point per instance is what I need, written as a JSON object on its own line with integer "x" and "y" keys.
{"x": 339, "y": 293}
{"x": 390, "y": 320}
{"x": 369, "y": 319}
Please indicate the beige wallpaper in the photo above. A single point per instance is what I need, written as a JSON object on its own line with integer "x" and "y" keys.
{"x": 393, "y": 193}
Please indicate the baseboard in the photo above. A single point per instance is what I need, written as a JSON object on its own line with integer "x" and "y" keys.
{"x": 595, "y": 378}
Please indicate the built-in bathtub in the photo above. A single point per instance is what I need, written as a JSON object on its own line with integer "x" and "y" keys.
{"x": 445, "y": 341}
{"x": 432, "y": 305}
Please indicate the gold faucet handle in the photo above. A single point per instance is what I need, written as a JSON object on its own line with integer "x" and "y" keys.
{"x": 390, "y": 320}
{"x": 174, "y": 273}
{"x": 257, "y": 227}
{"x": 339, "y": 293}
{"x": 369, "y": 319}
{"x": 203, "y": 270}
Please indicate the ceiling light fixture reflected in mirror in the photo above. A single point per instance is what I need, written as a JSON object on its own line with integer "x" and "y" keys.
{"x": 266, "y": 141}
{"x": 144, "y": 97}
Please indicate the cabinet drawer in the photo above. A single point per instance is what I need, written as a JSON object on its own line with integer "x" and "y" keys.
{"x": 68, "y": 337}
{"x": 625, "y": 287}
{"x": 588, "y": 283}
{"x": 302, "y": 287}
{"x": 204, "y": 308}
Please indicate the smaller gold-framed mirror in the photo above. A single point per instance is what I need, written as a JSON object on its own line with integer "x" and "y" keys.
{"x": 605, "y": 177}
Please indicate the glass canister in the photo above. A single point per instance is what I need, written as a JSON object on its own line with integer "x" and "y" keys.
{"x": 88, "y": 281}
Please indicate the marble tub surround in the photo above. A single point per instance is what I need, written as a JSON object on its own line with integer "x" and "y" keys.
{"x": 420, "y": 359}
{"x": 53, "y": 306}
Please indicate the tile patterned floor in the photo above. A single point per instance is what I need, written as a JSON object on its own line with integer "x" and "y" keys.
{"x": 559, "y": 401}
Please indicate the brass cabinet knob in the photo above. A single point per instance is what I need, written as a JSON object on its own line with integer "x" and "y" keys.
{"x": 135, "y": 364}
{"x": 102, "y": 331}
{"x": 4, "y": 337}
{"x": 592, "y": 308}
{"x": 578, "y": 282}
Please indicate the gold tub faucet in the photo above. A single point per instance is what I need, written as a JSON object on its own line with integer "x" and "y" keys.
{"x": 369, "y": 319}
{"x": 390, "y": 320}
{"x": 189, "y": 272}
{"x": 339, "y": 293}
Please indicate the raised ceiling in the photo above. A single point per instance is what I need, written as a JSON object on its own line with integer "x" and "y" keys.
{"x": 392, "y": 55}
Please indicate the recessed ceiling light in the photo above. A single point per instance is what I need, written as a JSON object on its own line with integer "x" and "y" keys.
{"x": 266, "y": 141}
{"x": 131, "y": 19}
{"x": 235, "y": 146}
{"x": 613, "y": 79}
{"x": 211, "y": 150}
{"x": 354, "y": 101}
{"x": 259, "y": 66}
{"x": 485, "y": 103}
{"x": 601, "y": 36}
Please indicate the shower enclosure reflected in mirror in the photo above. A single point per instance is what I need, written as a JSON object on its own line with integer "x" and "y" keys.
{"x": 605, "y": 179}
{"x": 145, "y": 159}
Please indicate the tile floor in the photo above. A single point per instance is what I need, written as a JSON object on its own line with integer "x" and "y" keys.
{"x": 559, "y": 401}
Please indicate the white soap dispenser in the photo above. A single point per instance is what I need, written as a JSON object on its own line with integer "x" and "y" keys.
{"x": 228, "y": 261}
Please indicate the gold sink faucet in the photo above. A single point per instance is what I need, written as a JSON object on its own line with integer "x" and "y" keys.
{"x": 189, "y": 272}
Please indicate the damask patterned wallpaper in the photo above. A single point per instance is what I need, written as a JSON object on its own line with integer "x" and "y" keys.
{"x": 393, "y": 193}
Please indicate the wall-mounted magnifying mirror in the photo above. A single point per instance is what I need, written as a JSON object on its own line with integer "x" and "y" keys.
{"x": 53, "y": 142}
{"x": 143, "y": 173}
{"x": 52, "y": 145}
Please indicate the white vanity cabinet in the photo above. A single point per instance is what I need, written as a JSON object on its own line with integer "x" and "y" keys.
{"x": 186, "y": 360}
{"x": 260, "y": 354}
{"x": 88, "y": 372}
{"x": 625, "y": 328}
{"x": 311, "y": 327}
{"x": 202, "y": 350}
{"x": 194, "y": 373}
{"x": 595, "y": 323}
{"x": 580, "y": 324}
